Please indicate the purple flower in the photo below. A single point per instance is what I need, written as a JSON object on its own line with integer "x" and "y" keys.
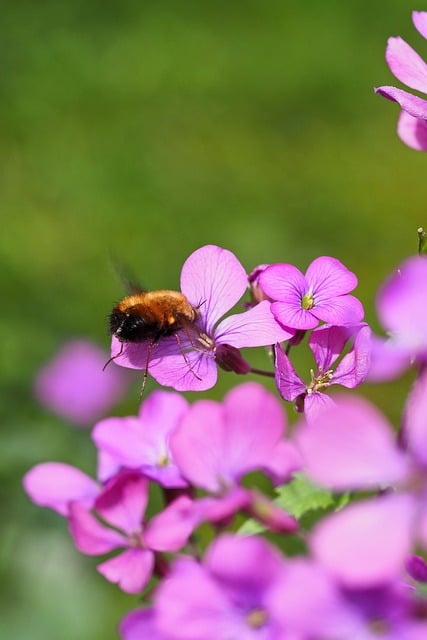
{"x": 245, "y": 589}
{"x": 215, "y": 445}
{"x": 143, "y": 442}
{"x": 399, "y": 303}
{"x": 322, "y": 294}
{"x": 408, "y": 67}
{"x": 213, "y": 280}
{"x": 327, "y": 344}
{"x": 74, "y": 386}
{"x": 225, "y": 597}
{"x": 121, "y": 507}
{"x": 353, "y": 447}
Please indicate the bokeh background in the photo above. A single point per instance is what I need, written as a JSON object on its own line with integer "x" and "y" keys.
{"x": 144, "y": 130}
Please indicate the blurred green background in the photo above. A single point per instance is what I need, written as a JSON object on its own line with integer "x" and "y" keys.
{"x": 147, "y": 129}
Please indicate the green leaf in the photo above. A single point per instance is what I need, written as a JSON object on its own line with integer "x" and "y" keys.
{"x": 300, "y": 496}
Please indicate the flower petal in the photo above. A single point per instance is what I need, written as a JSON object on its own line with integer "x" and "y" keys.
{"x": 412, "y": 131}
{"x": 400, "y": 302}
{"x": 55, "y": 485}
{"x": 170, "y": 529}
{"x": 315, "y": 403}
{"x": 196, "y": 372}
{"x": 198, "y": 447}
{"x": 288, "y": 382}
{"x": 123, "y": 502}
{"x": 327, "y": 343}
{"x": 90, "y": 536}
{"x": 284, "y": 282}
{"x": 413, "y": 105}
{"x": 351, "y": 446}
{"x": 415, "y": 421}
{"x": 351, "y": 543}
{"x": 131, "y": 569}
{"x": 140, "y": 623}
{"x": 293, "y": 315}
{"x": 406, "y": 65}
{"x": 213, "y": 280}
{"x": 419, "y": 18}
{"x": 387, "y": 360}
{"x": 256, "y": 327}
{"x": 344, "y": 309}
{"x": 354, "y": 367}
{"x": 328, "y": 277}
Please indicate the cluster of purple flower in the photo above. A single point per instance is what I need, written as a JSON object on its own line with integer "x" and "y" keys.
{"x": 358, "y": 576}
{"x": 358, "y": 572}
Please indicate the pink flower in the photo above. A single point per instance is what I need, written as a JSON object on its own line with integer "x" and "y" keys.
{"x": 322, "y": 294}
{"x": 353, "y": 447}
{"x": 74, "y": 385}
{"x": 327, "y": 344}
{"x": 399, "y": 302}
{"x": 408, "y": 67}
{"x": 213, "y": 281}
{"x": 143, "y": 442}
{"x": 243, "y": 588}
{"x": 121, "y": 506}
{"x": 215, "y": 445}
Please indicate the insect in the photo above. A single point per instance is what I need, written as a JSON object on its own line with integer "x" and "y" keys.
{"x": 149, "y": 316}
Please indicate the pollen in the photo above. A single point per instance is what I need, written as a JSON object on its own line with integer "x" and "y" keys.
{"x": 307, "y": 301}
{"x": 257, "y": 618}
{"x": 163, "y": 461}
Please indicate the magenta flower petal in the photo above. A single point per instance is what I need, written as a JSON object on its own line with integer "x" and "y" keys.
{"x": 351, "y": 446}
{"x": 292, "y": 315}
{"x": 406, "y": 64}
{"x": 170, "y": 529}
{"x": 107, "y": 466}
{"x": 284, "y": 461}
{"x": 284, "y": 282}
{"x": 139, "y": 624}
{"x": 315, "y": 403}
{"x": 415, "y": 106}
{"x": 288, "y": 382}
{"x": 217, "y": 444}
{"x": 90, "y": 536}
{"x": 74, "y": 385}
{"x": 256, "y": 328}
{"x": 123, "y": 502}
{"x": 191, "y": 605}
{"x": 415, "y": 429}
{"x": 143, "y": 442}
{"x": 399, "y": 302}
{"x": 244, "y": 561}
{"x": 344, "y": 309}
{"x": 55, "y": 485}
{"x": 327, "y": 344}
{"x": 198, "y": 446}
{"x": 351, "y": 543}
{"x": 412, "y": 131}
{"x": 214, "y": 281}
{"x": 419, "y": 18}
{"x": 354, "y": 367}
{"x": 387, "y": 360}
{"x": 198, "y": 372}
{"x": 226, "y": 596}
{"x": 308, "y": 600}
{"x": 328, "y": 277}
{"x": 131, "y": 569}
